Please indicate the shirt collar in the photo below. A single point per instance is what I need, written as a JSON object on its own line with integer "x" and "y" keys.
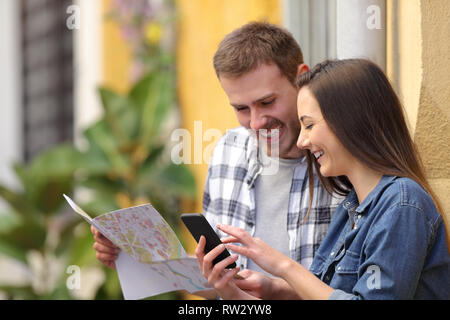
{"x": 254, "y": 162}
{"x": 352, "y": 203}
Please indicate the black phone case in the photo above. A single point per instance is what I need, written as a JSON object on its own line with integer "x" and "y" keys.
{"x": 198, "y": 226}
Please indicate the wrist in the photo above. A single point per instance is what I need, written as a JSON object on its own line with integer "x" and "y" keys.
{"x": 276, "y": 288}
{"x": 281, "y": 290}
{"x": 284, "y": 268}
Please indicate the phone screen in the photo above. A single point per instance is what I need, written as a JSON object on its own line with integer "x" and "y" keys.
{"x": 198, "y": 226}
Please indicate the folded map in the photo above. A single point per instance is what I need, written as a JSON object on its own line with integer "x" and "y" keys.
{"x": 152, "y": 259}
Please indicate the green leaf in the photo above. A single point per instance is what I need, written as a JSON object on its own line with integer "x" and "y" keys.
{"x": 81, "y": 252}
{"x": 178, "y": 180}
{"x": 17, "y": 201}
{"x": 156, "y": 109}
{"x": 19, "y": 292}
{"x": 154, "y": 95}
{"x": 11, "y": 250}
{"x": 9, "y": 220}
{"x": 30, "y": 235}
{"x": 49, "y": 176}
{"x": 101, "y": 139}
{"x": 120, "y": 115}
{"x": 60, "y": 161}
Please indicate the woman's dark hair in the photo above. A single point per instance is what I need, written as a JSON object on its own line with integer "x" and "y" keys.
{"x": 362, "y": 110}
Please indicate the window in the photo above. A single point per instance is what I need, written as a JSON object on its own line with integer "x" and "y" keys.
{"x": 47, "y": 60}
{"x": 313, "y": 24}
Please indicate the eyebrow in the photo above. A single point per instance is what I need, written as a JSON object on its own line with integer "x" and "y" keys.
{"x": 256, "y": 101}
{"x": 304, "y": 117}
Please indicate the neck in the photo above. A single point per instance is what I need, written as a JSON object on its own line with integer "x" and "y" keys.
{"x": 364, "y": 180}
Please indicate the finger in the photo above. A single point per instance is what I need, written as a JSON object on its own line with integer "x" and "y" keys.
{"x": 200, "y": 251}
{"x": 246, "y": 273}
{"x": 244, "y": 281}
{"x": 103, "y": 257}
{"x": 220, "y": 284}
{"x": 230, "y": 240}
{"x": 105, "y": 249}
{"x": 238, "y": 233}
{"x": 239, "y": 249}
{"x": 100, "y": 238}
{"x": 209, "y": 258}
{"x": 110, "y": 264}
{"x": 219, "y": 268}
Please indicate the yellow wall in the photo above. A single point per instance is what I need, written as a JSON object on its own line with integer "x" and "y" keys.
{"x": 201, "y": 26}
{"x": 419, "y": 66}
{"x": 433, "y": 122}
{"x": 404, "y": 54}
{"x": 116, "y": 54}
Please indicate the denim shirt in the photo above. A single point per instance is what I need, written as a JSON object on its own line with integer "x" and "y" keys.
{"x": 391, "y": 246}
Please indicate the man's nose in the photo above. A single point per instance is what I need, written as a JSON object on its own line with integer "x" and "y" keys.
{"x": 258, "y": 121}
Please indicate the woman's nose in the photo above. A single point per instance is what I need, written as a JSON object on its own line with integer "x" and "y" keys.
{"x": 303, "y": 141}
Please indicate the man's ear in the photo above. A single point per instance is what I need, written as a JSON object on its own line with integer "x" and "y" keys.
{"x": 302, "y": 69}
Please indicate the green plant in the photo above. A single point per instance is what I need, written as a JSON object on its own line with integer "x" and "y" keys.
{"x": 31, "y": 230}
{"x": 126, "y": 163}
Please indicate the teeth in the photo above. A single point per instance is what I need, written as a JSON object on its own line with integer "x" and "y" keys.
{"x": 318, "y": 154}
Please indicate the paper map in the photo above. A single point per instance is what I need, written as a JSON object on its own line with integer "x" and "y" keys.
{"x": 152, "y": 260}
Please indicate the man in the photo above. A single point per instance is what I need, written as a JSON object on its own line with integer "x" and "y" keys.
{"x": 257, "y": 65}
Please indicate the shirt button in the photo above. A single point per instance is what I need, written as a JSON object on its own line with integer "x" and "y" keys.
{"x": 332, "y": 253}
{"x": 359, "y": 216}
{"x": 339, "y": 268}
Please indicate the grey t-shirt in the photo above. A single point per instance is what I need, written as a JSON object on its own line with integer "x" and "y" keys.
{"x": 272, "y": 200}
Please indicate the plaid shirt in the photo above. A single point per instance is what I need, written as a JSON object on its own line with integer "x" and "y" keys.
{"x": 229, "y": 196}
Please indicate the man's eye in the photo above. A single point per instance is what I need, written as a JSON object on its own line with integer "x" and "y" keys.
{"x": 266, "y": 103}
{"x": 241, "y": 109}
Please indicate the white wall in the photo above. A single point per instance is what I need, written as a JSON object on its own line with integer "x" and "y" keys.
{"x": 361, "y": 30}
{"x": 88, "y": 66}
{"x": 10, "y": 118}
{"x": 10, "y": 91}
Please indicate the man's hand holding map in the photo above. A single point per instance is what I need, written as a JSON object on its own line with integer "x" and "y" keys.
{"x": 152, "y": 259}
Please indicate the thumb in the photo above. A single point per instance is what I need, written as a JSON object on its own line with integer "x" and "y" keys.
{"x": 244, "y": 283}
{"x": 245, "y": 273}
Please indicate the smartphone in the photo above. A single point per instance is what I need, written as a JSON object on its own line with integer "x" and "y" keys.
{"x": 198, "y": 226}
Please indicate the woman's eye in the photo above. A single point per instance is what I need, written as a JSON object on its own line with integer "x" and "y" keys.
{"x": 309, "y": 126}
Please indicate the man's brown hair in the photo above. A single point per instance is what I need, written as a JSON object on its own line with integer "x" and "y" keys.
{"x": 255, "y": 43}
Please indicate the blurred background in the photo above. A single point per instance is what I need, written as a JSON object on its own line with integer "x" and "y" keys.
{"x": 91, "y": 92}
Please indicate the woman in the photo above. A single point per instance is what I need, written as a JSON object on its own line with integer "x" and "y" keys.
{"x": 387, "y": 240}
